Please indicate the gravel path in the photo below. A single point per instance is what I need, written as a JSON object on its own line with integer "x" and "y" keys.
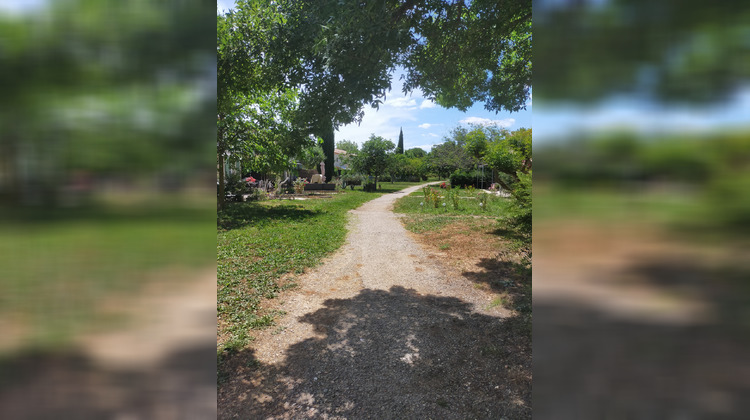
{"x": 381, "y": 330}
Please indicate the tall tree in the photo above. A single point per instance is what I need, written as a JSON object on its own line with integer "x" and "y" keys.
{"x": 400, "y": 147}
{"x": 328, "y": 148}
{"x": 255, "y": 105}
{"x": 339, "y": 55}
{"x": 347, "y": 51}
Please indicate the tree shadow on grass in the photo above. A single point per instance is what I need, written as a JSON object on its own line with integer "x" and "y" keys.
{"x": 388, "y": 354}
{"x": 725, "y": 287}
{"x": 591, "y": 363}
{"x": 501, "y": 276}
{"x": 56, "y": 385}
{"x": 238, "y": 215}
{"x": 508, "y": 233}
{"x": 105, "y": 215}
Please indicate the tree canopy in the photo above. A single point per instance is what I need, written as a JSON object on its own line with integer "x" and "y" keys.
{"x": 415, "y": 152}
{"x": 348, "y": 146}
{"x": 292, "y": 68}
{"x": 103, "y": 88}
{"x": 685, "y": 51}
{"x": 471, "y": 51}
{"x": 448, "y": 157}
{"x": 374, "y": 156}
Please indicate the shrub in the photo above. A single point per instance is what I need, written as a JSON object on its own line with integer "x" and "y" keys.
{"x": 519, "y": 213}
{"x": 463, "y": 179}
{"x": 350, "y": 180}
{"x": 370, "y": 187}
{"x": 339, "y": 183}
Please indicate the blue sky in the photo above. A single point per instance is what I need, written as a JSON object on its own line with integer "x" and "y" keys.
{"x": 554, "y": 122}
{"x": 17, "y": 7}
{"x": 424, "y": 123}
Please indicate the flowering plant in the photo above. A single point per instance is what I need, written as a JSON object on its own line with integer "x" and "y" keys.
{"x": 250, "y": 179}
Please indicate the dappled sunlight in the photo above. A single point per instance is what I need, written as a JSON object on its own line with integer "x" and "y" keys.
{"x": 387, "y": 352}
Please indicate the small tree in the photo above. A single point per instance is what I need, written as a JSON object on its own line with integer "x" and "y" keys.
{"x": 348, "y": 146}
{"x": 311, "y": 157}
{"x": 398, "y": 167}
{"x": 374, "y": 157}
{"x": 400, "y": 147}
{"x": 447, "y": 157}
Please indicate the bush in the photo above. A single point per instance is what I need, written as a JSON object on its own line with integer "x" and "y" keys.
{"x": 370, "y": 187}
{"x": 520, "y": 212}
{"x": 462, "y": 179}
{"x": 352, "y": 179}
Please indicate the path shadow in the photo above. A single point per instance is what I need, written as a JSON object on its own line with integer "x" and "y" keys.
{"x": 725, "y": 288}
{"x": 389, "y": 354}
{"x": 47, "y": 385}
{"x": 592, "y": 364}
{"x": 238, "y": 215}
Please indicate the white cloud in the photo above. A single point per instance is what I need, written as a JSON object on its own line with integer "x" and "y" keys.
{"x": 401, "y": 102}
{"x": 427, "y": 104}
{"x": 433, "y": 135}
{"x": 507, "y": 122}
{"x": 385, "y": 122}
{"x": 425, "y": 125}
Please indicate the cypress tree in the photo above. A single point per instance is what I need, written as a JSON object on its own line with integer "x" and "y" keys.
{"x": 400, "y": 147}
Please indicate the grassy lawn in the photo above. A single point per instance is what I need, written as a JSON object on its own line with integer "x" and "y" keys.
{"x": 56, "y": 270}
{"x": 612, "y": 205}
{"x": 474, "y": 239}
{"x": 422, "y": 215}
{"x": 261, "y": 243}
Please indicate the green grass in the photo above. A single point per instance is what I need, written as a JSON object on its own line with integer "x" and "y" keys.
{"x": 57, "y": 267}
{"x": 612, "y": 205}
{"x": 468, "y": 205}
{"x": 259, "y": 242}
{"x": 421, "y": 216}
{"x": 420, "y": 223}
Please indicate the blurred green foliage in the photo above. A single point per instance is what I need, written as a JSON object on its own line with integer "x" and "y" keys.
{"x": 674, "y": 51}
{"x": 106, "y": 137}
{"x": 710, "y": 171}
{"x": 103, "y": 89}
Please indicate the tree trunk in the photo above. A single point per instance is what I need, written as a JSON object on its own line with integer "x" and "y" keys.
{"x": 329, "y": 144}
{"x": 220, "y": 198}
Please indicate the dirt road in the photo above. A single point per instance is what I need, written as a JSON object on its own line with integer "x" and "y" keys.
{"x": 381, "y": 330}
